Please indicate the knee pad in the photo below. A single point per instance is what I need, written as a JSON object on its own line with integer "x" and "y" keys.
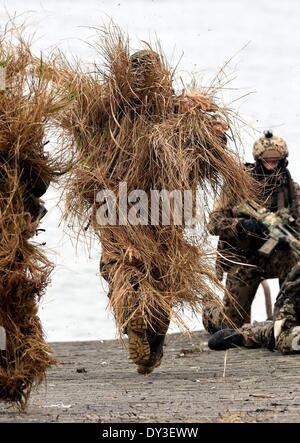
{"x": 296, "y": 339}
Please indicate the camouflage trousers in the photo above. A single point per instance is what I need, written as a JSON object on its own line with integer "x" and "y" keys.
{"x": 145, "y": 340}
{"x": 283, "y": 333}
{"x": 241, "y": 284}
{"x": 161, "y": 321}
{"x": 262, "y": 334}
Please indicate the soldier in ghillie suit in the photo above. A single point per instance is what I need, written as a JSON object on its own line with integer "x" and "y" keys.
{"x": 281, "y": 334}
{"x": 27, "y": 101}
{"x": 127, "y": 125}
{"x": 242, "y": 237}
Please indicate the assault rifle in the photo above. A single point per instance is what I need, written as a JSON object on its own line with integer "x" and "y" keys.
{"x": 278, "y": 224}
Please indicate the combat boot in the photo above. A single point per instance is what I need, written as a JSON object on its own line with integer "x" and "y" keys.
{"x": 225, "y": 339}
{"x": 156, "y": 338}
{"x": 156, "y": 342}
{"x": 138, "y": 344}
{"x": 211, "y": 318}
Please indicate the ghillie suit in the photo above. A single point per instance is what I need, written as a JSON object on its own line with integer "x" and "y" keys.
{"x": 127, "y": 125}
{"x": 243, "y": 236}
{"x": 26, "y": 102}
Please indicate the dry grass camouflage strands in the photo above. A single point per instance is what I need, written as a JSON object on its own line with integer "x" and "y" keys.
{"x": 125, "y": 124}
{"x": 26, "y": 103}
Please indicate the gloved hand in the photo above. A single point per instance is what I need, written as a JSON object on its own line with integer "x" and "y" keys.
{"x": 251, "y": 225}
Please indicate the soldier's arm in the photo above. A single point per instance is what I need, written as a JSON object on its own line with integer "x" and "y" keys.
{"x": 221, "y": 221}
{"x": 33, "y": 180}
{"x": 227, "y": 224}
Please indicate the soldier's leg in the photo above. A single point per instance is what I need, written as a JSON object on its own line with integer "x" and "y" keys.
{"x": 242, "y": 287}
{"x": 156, "y": 338}
{"x": 136, "y": 327}
{"x": 287, "y": 314}
{"x": 283, "y": 334}
{"x": 145, "y": 343}
{"x": 258, "y": 334}
{"x": 213, "y": 317}
{"x": 288, "y": 341}
{"x": 138, "y": 343}
{"x": 236, "y": 308}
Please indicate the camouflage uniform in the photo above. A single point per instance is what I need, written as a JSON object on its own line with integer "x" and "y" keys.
{"x": 278, "y": 191}
{"x": 282, "y": 334}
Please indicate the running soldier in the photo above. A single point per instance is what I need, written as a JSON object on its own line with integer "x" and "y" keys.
{"x": 128, "y": 126}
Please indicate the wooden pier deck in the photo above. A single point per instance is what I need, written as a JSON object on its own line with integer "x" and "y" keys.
{"x": 95, "y": 382}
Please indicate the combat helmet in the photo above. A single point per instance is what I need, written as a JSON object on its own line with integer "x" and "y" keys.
{"x": 270, "y": 147}
{"x": 143, "y": 58}
{"x": 151, "y": 81}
